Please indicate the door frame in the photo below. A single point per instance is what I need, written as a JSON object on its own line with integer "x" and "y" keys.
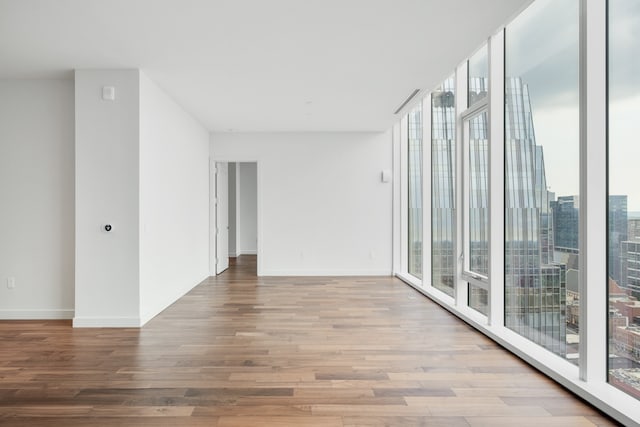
{"x": 212, "y": 208}
{"x": 221, "y": 205}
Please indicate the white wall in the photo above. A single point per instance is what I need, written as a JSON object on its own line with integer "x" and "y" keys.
{"x": 174, "y": 200}
{"x": 142, "y": 165}
{"x": 107, "y": 183}
{"x": 233, "y": 230}
{"x": 37, "y": 193}
{"x": 322, "y": 208}
{"x": 248, "y": 209}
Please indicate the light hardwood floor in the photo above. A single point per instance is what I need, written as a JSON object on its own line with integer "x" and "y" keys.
{"x": 240, "y": 350}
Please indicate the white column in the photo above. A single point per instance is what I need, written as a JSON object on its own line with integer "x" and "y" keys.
{"x": 426, "y": 191}
{"x": 496, "y": 179}
{"x": 397, "y": 208}
{"x": 593, "y": 198}
{"x": 461, "y": 286}
{"x": 107, "y": 192}
{"x": 403, "y": 135}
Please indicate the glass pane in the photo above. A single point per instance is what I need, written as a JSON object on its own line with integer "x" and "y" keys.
{"x": 443, "y": 194}
{"x": 542, "y": 162}
{"x": 479, "y": 299}
{"x": 478, "y": 80}
{"x": 415, "y": 191}
{"x": 624, "y": 196}
{"x": 478, "y": 203}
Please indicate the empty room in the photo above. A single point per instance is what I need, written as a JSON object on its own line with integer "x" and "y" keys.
{"x": 319, "y": 213}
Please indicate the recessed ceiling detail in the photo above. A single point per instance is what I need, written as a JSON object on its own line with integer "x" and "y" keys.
{"x": 406, "y": 101}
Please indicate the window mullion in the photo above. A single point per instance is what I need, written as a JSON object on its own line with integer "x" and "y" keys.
{"x": 426, "y": 191}
{"x": 404, "y": 195}
{"x": 593, "y": 200}
{"x": 496, "y": 179}
{"x": 461, "y": 286}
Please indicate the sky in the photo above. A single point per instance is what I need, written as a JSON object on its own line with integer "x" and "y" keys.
{"x": 624, "y": 100}
{"x": 542, "y": 48}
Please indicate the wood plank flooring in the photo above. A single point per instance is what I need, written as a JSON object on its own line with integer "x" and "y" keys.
{"x": 245, "y": 351}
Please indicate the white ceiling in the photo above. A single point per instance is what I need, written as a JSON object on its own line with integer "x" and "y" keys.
{"x": 258, "y": 65}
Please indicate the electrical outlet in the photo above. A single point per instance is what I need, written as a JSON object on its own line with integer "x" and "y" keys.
{"x": 11, "y": 282}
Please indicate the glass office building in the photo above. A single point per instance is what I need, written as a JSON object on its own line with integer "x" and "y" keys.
{"x": 535, "y": 286}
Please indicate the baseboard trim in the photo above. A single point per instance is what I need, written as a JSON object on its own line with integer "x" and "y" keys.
{"x": 30, "y": 314}
{"x": 107, "y": 322}
{"x": 250, "y": 252}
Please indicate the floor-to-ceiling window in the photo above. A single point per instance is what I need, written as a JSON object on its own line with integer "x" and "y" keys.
{"x": 542, "y": 175}
{"x": 476, "y": 224}
{"x": 624, "y": 195}
{"x": 476, "y": 183}
{"x": 414, "y": 123}
{"x": 443, "y": 187}
{"x": 518, "y": 201}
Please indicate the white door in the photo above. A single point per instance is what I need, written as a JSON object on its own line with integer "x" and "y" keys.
{"x": 222, "y": 217}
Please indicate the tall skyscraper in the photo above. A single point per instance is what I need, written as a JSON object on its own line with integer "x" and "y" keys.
{"x": 633, "y": 228}
{"x": 566, "y": 213}
{"x": 618, "y": 233}
{"x": 535, "y": 286}
{"x": 630, "y": 267}
{"x": 566, "y": 216}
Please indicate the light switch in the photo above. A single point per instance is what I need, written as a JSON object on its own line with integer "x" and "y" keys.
{"x": 386, "y": 175}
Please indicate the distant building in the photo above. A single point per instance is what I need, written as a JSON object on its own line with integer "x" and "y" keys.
{"x": 633, "y": 228}
{"x": 627, "y": 339}
{"x": 630, "y": 267}
{"x": 566, "y": 217}
{"x": 618, "y": 232}
{"x": 624, "y": 337}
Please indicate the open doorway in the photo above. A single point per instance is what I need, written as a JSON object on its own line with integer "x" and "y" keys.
{"x": 234, "y": 215}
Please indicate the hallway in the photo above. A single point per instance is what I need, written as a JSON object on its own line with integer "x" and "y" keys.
{"x": 241, "y": 350}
